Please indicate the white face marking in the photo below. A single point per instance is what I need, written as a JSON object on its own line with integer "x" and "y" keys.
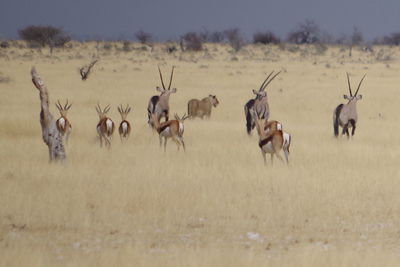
{"x": 124, "y": 127}
{"x": 109, "y": 124}
{"x": 61, "y": 121}
{"x": 181, "y": 128}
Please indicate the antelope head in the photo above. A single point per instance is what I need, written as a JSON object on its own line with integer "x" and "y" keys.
{"x": 214, "y": 100}
{"x": 102, "y": 113}
{"x": 124, "y": 112}
{"x": 261, "y": 93}
{"x": 181, "y": 119}
{"x": 63, "y": 109}
{"x": 355, "y": 97}
{"x": 166, "y": 91}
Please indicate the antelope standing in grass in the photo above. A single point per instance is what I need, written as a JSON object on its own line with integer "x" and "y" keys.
{"x": 85, "y": 70}
{"x": 272, "y": 141}
{"x": 160, "y": 104}
{"x": 170, "y": 129}
{"x": 63, "y": 124}
{"x": 259, "y": 104}
{"x": 105, "y": 127}
{"x": 201, "y": 108}
{"x": 124, "y": 128}
{"x": 345, "y": 115}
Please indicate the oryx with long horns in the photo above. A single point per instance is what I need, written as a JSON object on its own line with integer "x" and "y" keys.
{"x": 345, "y": 115}
{"x": 259, "y": 104}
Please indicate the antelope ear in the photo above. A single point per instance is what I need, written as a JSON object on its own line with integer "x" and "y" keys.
{"x": 173, "y": 90}
{"x": 159, "y": 89}
{"x": 359, "y": 97}
{"x": 255, "y": 92}
{"x": 346, "y": 97}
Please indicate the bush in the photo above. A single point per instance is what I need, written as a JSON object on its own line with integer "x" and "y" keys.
{"x": 44, "y": 36}
{"x": 234, "y": 38}
{"x": 392, "y": 39}
{"x": 212, "y": 37}
{"x": 191, "y": 41}
{"x": 307, "y": 32}
{"x": 265, "y": 38}
{"x": 143, "y": 37}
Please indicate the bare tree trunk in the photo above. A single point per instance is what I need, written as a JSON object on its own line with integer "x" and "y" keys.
{"x": 51, "y": 135}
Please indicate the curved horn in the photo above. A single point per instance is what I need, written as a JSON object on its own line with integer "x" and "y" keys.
{"x": 348, "y": 81}
{"x": 170, "y": 79}
{"x": 162, "y": 81}
{"x": 262, "y": 85}
{"x": 360, "y": 84}
{"x": 273, "y": 77}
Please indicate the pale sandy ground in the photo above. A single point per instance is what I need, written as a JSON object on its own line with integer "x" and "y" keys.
{"x": 336, "y": 204}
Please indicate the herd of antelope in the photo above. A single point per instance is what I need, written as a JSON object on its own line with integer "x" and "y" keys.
{"x": 272, "y": 138}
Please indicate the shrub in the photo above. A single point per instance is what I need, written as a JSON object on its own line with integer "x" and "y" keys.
{"x": 265, "y": 38}
{"x": 4, "y": 44}
{"x": 191, "y": 41}
{"x": 307, "y": 32}
{"x": 144, "y": 37}
{"x": 234, "y": 38}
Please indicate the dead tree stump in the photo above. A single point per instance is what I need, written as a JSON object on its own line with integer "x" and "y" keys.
{"x": 51, "y": 135}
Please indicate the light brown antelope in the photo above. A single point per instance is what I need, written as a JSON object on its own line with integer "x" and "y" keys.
{"x": 105, "y": 127}
{"x": 271, "y": 141}
{"x": 345, "y": 115}
{"x": 160, "y": 104}
{"x": 273, "y": 125}
{"x": 124, "y": 128}
{"x": 201, "y": 108}
{"x": 63, "y": 124}
{"x": 170, "y": 129}
{"x": 259, "y": 104}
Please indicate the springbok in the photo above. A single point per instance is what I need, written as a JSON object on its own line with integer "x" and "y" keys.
{"x": 271, "y": 126}
{"x": 160, "y": 104}
{"x": 201, "y": 108}
{"x": 170, "y": 129}
{"x": 345, "y": 115}
{"x": 271, "y": 141}
{"x": 105, "y": 127}
{"x": 63, "y": 124}
{"x": 259, "y": 104}
{"x": 124, "y": 128}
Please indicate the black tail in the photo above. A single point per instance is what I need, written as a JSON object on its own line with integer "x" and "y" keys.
{"x": 249, "y": 118}
{"x": 336, "y": 120}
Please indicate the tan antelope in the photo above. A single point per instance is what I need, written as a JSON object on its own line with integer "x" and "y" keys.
{"x": 170, "y": 129}
{"x": 271, "y": 126}
{"x": 201, "y": 108}
{"x": 124, "y": 128}
{"x": 345, "y": 115}
{"x": 105, "y": 127}
{"x": 63, "y": 124}
{"x": 259, "y": 104}
{"x": 272, "y": 141}
{"x": 160, "y": 104}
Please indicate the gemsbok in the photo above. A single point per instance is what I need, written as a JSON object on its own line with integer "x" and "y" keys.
{"x": 201, "y": 108}
{"x": 124, "y": 128}
{"x": 85, "y": 70}
{"x": 105, "y": 127}
{"x": 272, "y": 141}
{"x": 159, "y": 104}
{"x": 170, "y": 129}
{"x": 259, "y": 104}
{"x": 63, "y": 124}
{"x": 345, "y": 115}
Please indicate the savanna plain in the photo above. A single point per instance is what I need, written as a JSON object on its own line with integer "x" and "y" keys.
{"x": 336, "y": 204}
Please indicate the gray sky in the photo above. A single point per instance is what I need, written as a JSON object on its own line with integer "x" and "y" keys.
{"x": 168, "y": 19}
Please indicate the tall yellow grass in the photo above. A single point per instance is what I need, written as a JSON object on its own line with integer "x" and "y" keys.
{"x": 336, "y": 204}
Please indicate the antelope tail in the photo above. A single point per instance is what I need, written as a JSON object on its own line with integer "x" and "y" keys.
{"x": 336, "y": 116}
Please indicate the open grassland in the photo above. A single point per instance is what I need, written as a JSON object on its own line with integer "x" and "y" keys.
{"x": 336, "y": 204}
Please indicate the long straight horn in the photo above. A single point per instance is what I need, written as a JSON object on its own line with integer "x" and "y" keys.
{"x": 170, "y": 79}
{"x": 66, "y": 105}
{"x": 58, "y": 105}
{"x": 348, "y": 81}
{"x": 262, "y": 85}
{"x": 360, "y": 84}
{"x": 273, "y": 77}
{"x": 162, "y": 81}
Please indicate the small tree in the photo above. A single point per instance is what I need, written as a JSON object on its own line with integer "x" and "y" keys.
{"x": 144, "y": 37}
{"x": 191, "y": 41}
{"x": 234, "y": 38}
{"x": 307, "y": 32}
{"x": 44, "y": 36}
{"x": 356, "y": 39}
{"x": 265, "y": 38}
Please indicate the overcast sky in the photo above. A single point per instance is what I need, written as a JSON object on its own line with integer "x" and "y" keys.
{"x": 169, "y": 19}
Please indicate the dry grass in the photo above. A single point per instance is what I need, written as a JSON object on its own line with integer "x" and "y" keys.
{"x": 215, "y": 205}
